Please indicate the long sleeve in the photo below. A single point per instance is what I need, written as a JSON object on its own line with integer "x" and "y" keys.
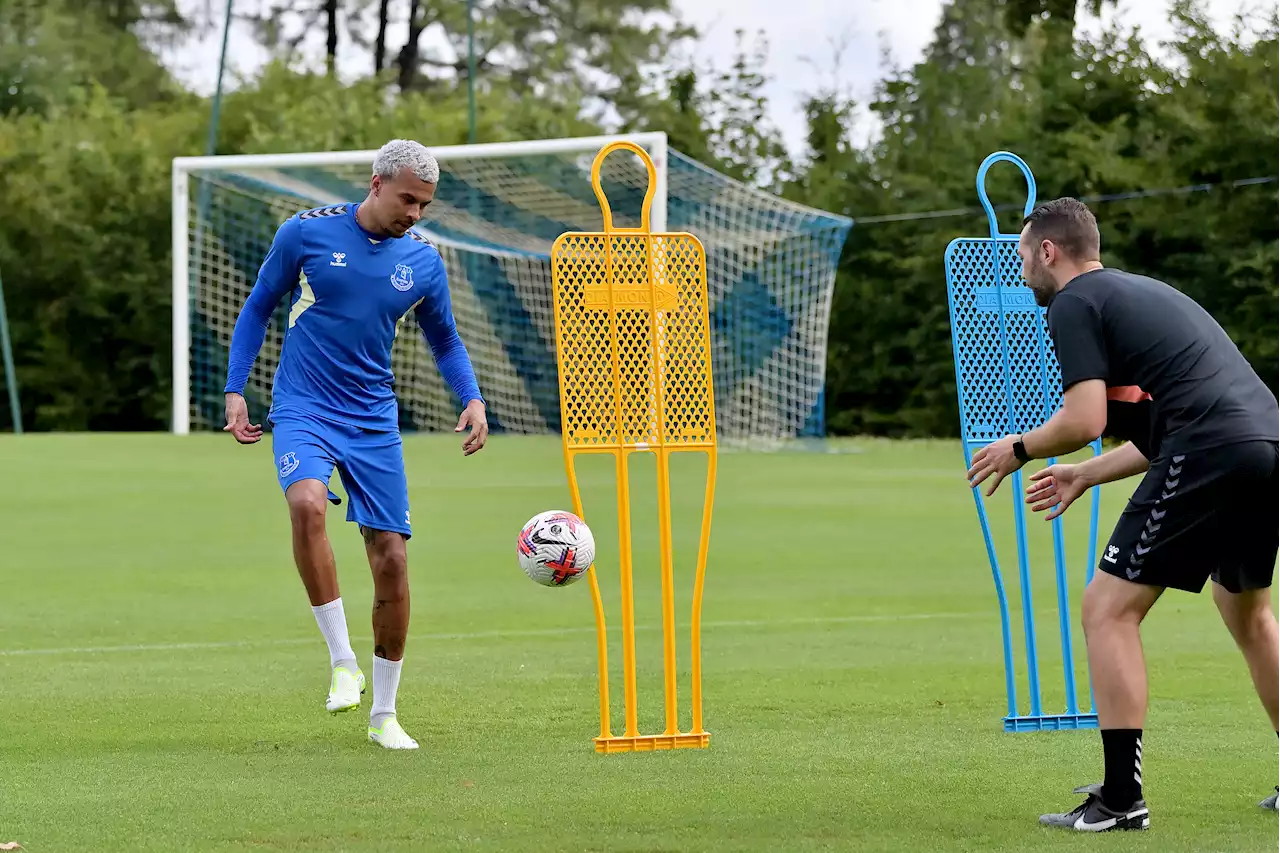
{"x": 435, "y": 317}
{"x": 276, "y": 277}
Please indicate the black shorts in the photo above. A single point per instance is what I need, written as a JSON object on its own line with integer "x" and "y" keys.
{"x": 1200, "y": 515}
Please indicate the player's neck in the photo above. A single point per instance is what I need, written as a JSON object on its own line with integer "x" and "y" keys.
{"x": 1067, "y": 273}
{"x": 362, "y": 219}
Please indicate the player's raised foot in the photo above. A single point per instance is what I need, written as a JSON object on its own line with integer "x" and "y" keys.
{"x": 390, "y": 736}
{"x": 1270, "y": 802}
{"x": 1093, "y": 815}
{"x": 344, "y": 689}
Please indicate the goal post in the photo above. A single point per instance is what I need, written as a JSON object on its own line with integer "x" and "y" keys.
{"x": 499, "y": 208}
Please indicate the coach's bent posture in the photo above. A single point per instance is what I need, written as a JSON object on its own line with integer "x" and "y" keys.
{"x": 1207, "y": 507}
{"x": 354, "y": 271}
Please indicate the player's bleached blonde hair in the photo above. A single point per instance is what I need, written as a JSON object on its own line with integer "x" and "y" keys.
{"x": 406, "y": 154}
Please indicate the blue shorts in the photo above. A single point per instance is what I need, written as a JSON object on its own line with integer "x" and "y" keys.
{"x": 371, "y": 464}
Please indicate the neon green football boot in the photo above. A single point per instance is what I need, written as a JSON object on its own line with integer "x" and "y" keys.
{"x": 344, "y": 690}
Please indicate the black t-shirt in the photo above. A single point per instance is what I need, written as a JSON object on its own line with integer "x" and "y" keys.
{"x": 1160, "y": 352}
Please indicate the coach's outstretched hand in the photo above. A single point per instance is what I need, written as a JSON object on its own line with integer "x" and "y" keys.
{"x": 238, "y": 420}
{"x": 1055, "y": 488}
{"x": 473, "y": 416}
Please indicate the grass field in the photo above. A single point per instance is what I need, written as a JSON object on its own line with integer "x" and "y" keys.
{"x": 162, "y": 679}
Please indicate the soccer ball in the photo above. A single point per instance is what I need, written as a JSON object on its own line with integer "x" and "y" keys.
{"x": 555, "y": 548}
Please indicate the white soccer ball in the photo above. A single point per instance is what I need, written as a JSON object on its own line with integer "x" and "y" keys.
{"x": 555, "y": 548}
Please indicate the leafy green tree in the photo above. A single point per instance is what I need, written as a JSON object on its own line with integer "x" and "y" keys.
{"x": 889, "y": 358}
{"x": 718, "y": 116}
{"x": 51, "y": 51}
{"x": 85, "y": 250}
{"x": 1059, "y": 16}
{"x": 583, "y": 53}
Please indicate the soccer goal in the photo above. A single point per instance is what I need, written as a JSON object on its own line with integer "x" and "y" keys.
{"x": 498, "y": 209}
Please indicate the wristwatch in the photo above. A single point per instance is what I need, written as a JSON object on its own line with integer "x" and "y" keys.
{"x": 1020, "y": 451}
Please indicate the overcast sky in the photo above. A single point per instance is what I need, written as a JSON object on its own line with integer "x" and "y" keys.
{"x": 802, "y": 42}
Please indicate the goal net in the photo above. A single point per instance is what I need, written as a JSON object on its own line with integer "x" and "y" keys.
{"x": 499, "y": 207}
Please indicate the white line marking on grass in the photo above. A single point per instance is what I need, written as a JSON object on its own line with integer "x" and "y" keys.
{"x": 486, "y": 635}
{"x": 148, "y": 647}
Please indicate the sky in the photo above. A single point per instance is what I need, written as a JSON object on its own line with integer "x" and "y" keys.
{"x": 804, "y": 43}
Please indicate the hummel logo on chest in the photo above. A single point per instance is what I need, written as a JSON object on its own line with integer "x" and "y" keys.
{"x": 339, "y": 259}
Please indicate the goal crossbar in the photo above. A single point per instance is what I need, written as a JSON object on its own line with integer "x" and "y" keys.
{"x": 656, "y": 141}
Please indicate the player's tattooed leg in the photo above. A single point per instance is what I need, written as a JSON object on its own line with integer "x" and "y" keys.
{"x": 388, "y": 562}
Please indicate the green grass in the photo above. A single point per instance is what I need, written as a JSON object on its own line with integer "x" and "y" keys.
{"x": 162, "y": 679}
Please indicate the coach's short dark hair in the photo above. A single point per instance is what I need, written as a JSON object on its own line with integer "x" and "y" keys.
{"x": 1069, "y": 224}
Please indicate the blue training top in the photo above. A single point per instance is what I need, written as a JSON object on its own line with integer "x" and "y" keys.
{"x": 350, "y": 289}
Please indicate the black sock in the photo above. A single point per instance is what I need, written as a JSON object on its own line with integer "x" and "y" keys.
{"x": 1122, "y": 752}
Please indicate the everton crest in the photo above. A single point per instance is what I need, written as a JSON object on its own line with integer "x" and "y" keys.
{"x": 402, "y": 278}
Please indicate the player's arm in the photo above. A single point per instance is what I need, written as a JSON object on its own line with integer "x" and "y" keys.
{"x": 1081, "y": 347}
{"x": 1055, "y": 488}
{"x": 1116, "y": 464}
{"x": 1081, "y": 418}
{"x": 434, "y": 313}
{"x": 1082, "y": 353}
{"x": 276, "y": 277}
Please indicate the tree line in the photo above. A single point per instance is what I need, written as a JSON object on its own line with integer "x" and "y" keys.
{"x": 1179, "y": 147}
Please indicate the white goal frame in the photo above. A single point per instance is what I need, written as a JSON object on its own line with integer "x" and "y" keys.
{"x": 183, "y": 167}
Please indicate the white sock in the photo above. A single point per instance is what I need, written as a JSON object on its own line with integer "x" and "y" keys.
{"x": 333, "y": 624}
{"x": 386, "y": 680}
